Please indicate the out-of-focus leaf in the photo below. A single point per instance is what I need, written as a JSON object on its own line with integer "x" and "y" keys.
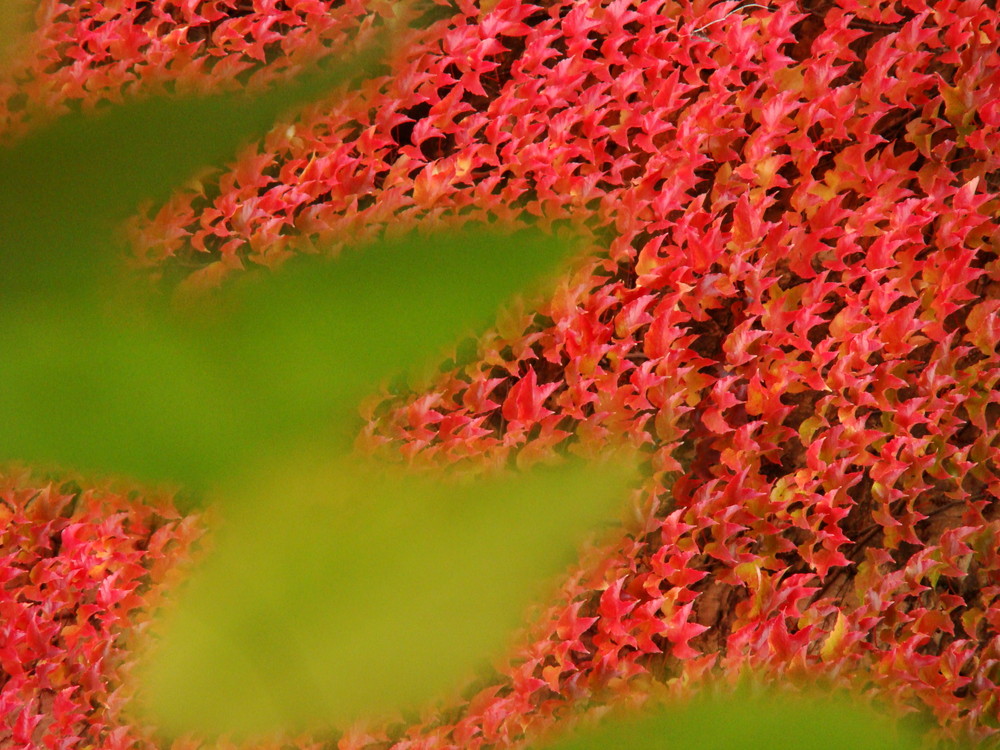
{"x": 64, "y": 187}
{"x": 342, "y": 592}
{"x": 159, "y": 398}
{"x": 14, "y": 23}
{"x": 752, "y": 722}
{"x": 324, "y": 334}
{"x": 116, "y": 396}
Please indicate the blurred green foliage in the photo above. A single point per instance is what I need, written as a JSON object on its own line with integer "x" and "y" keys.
{"x": 273, "y": 365}
{"x": 360, "y": 591}
{"x": 752, "y": 718}
{"x": 15, "y": 21}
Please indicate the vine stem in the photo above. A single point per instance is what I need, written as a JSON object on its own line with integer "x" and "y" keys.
{"x": 700, "y": 29}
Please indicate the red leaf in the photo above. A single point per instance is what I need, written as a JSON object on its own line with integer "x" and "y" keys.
{"x": 525, "y": 402}
{"x": 680, "y": 630}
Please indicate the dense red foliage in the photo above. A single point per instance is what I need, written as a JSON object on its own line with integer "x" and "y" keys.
{"x": 791, "y": 303}
{"x": 81, "y": 570}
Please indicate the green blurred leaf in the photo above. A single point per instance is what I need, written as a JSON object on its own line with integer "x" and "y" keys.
{"x": 64, "y": 187}
{"x": 116, "y": 395}
{"x": 325, "y": 334}
{"x": 158, "y": 397}
{"x": 15, "y": 22}
{"x": 752, "y": 721}
{"x": 345, "y": 592}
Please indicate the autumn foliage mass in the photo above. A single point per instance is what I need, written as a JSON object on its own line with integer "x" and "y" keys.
{"x": 790, "y": 301}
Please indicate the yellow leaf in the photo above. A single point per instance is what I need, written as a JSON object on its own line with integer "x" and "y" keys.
{"x": 830, "y": 646}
